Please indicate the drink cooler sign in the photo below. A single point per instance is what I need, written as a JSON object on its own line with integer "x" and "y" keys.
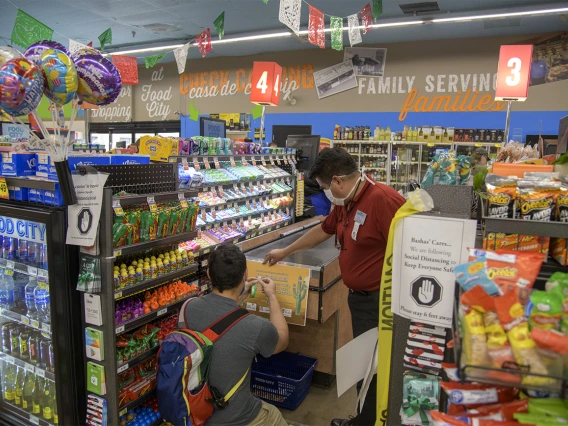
{"x": 424, "y": 256}
{"x": 22, "y": 229}
{"x": 292, "y": 288}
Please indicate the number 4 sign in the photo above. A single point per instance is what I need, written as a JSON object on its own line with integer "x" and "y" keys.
{"x": 265, "y": 83}
{"x": 513, "y": 74}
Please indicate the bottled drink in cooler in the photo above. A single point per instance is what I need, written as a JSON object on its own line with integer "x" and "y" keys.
{"x": 6, "y": 292}
{"x": 48, "y": 400}
{"x": 15, "y": 341}
{"x": 9, "y": 248}
{"x": 44, "y": 353}
{"x": 5, "y": 335}
{"x": 28, "y": 395}
{"x": 20, "y": 381}
{"x": 30, "y": 299}
{"x": 41, "y": 294}
{"x": 33, "y": 345}
{"x": 37, "y": 394}
{"x": 41, "y": 255}
{"x": 20, "y": 282}
{"x": 22, "y": 255}
{"x": 24, "y": 339}
{"x": 32, "y": 253}
{"x": 9, "y": 383}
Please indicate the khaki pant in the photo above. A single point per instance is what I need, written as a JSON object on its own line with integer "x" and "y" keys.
{"x": 268, "y": 415}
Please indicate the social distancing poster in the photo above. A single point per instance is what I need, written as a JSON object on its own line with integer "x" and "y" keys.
{"x": 292, "y": 288}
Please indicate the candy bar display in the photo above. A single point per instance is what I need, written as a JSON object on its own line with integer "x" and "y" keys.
{"x": 201, "y": 145}
{"x": 136, "y": 382}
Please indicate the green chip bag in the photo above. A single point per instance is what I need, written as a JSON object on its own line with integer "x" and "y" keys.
{"x": 545, "y": 310}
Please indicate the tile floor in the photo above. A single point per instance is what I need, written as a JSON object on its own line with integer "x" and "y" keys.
{"x": 321, "y": 406}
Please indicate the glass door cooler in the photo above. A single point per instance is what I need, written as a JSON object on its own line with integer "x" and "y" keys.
{"x": 39, "y": 357}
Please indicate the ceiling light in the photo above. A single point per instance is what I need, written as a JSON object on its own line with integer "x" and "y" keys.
{"x": 502, "y": 15}
{"x": 249, "y": 38}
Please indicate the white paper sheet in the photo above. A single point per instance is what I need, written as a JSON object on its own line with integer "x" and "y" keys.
{"x": 352, "y": 360}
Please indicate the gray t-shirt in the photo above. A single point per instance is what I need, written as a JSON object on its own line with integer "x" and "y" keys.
{"x": 233, "y": 354}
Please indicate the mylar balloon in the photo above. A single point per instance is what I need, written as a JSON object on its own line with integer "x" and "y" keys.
{"x": 8, "y": 53}
{"x": 34, "y": 52}
{"x": 16, "y": 75}
{"x": 61, "y": 82}
{"x": 85, "y": 51}
{"x": 99, "y": 80}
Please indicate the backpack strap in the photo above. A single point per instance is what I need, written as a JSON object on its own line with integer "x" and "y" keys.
{"x": 224, "y": 324}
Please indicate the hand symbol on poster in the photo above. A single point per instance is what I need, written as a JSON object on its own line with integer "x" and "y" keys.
{"x": 84, "y": 225}
{"x": 426, "y": 292}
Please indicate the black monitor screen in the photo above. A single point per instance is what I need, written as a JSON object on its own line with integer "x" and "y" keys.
{"x": 307, "y": 148}
{"x": 212, "y": 127}
{"x": 281, "y": 132}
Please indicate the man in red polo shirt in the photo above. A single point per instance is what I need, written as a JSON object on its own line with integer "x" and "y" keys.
{"x": 360, "y": 223}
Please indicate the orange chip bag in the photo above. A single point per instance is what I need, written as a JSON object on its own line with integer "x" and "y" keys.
{"x": 501, "y": 195}
{"x": 511, "y": 269}
{"x": 536, "y": 199}
{"x": 561, "y": 205}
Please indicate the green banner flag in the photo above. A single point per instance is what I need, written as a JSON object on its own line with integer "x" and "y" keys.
{"x": 105, "y": 38}
{"x": 150, "y": 61}
{"x": 220, "y": 25}
{"x": 377, "y": 8}
{"x": 256, "y": 111}
{"x": 28, "y": 30}
{"x": 265, "y": 1}
{"x": 336, "y": 25}
{"x": 193, "y": 112}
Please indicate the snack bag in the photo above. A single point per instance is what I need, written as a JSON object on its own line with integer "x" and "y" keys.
{"x": 173, "y": 226}
{"x": 474, "y": 340}
{"x": 120, "y": 233}
{"x": 163, "y": 218}
{"x": 548, "y": 407}
{"x": 474, "y": 273}
{"x": 540, "y": 419}
{"x": 561, "y": 204}
{"x": 472, "y": 395}
{"x": 448, "y": 169}
{"x": 506, "y": 410}
{"x": 513, "y": 319}
{"x": 545, "y": 310}
{"x": 498, "y": 347}
{"x": 511, "y": 269}
{"x": 558, "y": 284}
{"x": 552, "y": 346}
{"x": 431, "y": 173}
{"x": 133, "y": 217}
{"x": 501, "y": 195}
{"x": 536, "y": 199}
{"x": 506, "y": 241}
{"x": 464, "y": 163}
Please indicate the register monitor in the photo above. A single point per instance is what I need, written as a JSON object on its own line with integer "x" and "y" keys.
{"x": 307, "y": 148}
{"x": 280, "y": 132}
{"x": 212, "y": 127}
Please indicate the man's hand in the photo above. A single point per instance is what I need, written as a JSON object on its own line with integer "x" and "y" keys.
{"x": 268, "y": 287}
{"x": 249, "y": 283}
{"x": 274, "y": 256}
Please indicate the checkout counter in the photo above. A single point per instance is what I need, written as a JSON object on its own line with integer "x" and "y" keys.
{"x": 328, "y": 323}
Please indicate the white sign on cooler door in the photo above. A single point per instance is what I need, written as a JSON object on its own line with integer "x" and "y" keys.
{"x": 426, "y": 249}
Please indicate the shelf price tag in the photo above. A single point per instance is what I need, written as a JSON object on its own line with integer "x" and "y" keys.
{"x": 498, "y": 145}
{"x": 243, "y": 188}
{"x": 182, "y": 200}
{"x": 244, "y": 161}
{"x": 9, "y": 359}
{"x": 32, "y": 270}
{"x": 278, "y": 161}
{"x": 46, "y": 327}
{"x": 430, "y": 144}
{"x": 122, "y": 412}
{"x": 213, "y": 213}
{"x": 196, "y": 164}
{"x": 184, "y": 163}
{"x": 25, "y": 320}
{"x": 117, "y": 295}
{"x": 40, "y": 372}
{"x": 122, "y": 368}
{"x": 152, "y": 204}
{"x": 293, "y": 159}
{"x": 262, "y": 160}
{"x": 117, "y": 252}
{"x": 205, "y": 262}
{"x": 29, "y": 367}
{"x": 119, "y": 329}
{"x": 162, "y": 312}
{"x": 216, "y": 162}
{"x": 232, "y": 160}
{"x": 42, "y": 273}
{"x": 253, "y": 161}
{"x": 478, "y": 144}
{"x": 118, "y": 210}
{"x": 206, "y": 162}
{"x": 203, "y": 214}
{"x": 34, "y": 323}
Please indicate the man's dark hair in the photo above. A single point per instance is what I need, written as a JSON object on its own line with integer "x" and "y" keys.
{"x": 227, "y": 266}
{"x": 332, "y": 162}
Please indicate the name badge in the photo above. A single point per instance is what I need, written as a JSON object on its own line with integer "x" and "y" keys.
{"x": 355, "y": 231}
{"x": 360, "y": 217}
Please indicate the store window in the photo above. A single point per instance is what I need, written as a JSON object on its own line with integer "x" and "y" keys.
{"x": 121, "y": 140}
{"x": 101, "y": 139}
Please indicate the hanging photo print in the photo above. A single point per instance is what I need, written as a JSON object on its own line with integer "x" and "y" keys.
{"x": 335, "y": 79}
{"x": 367, "y": 61}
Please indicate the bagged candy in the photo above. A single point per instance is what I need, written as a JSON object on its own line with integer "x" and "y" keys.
{"x": 475, "y": 273}
{"x": 501, "y": 195}
{"x": 120, "y": 233}
{"x": 545, "y": 310}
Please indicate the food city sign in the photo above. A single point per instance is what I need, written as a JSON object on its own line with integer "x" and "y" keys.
{"x": 444, "y": 92}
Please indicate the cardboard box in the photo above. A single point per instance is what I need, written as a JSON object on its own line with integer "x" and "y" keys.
{"x": 53, "y": 198}
{"x": 88, "y": 160}
{"x": 559, "y": 250}
{"x": 158, "y": 148}
{"x": 18, "y": 164}
{"x": 45, "y": 167}
{"x": 534, "y": 244}
{"x": 426, "y": 134}
{"x": 438, "y": 133}
{"x": 18, "y": 193}
{"x": 129, "y": 159}
{"x": 35, "y": 195}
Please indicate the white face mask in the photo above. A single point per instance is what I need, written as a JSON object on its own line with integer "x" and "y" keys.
{"x": 341, "y": 201}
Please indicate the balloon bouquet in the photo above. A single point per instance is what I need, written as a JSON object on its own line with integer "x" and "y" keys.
{"x": 47, "y": 68}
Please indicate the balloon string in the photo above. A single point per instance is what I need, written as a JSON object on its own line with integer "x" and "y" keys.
{"x": 33, "y": 138}
{"x": 74, "y": 112}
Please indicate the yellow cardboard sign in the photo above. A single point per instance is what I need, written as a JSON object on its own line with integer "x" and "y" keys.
{"x": 4, "y": 189}
{"x": 292, "y": 288}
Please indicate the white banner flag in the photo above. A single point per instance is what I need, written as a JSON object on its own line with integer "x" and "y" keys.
{"x": 181, "y": 57}
{"x": 75, "y": 45}
{"x": 290, "y": 14}
{"x": 354, "y": 32}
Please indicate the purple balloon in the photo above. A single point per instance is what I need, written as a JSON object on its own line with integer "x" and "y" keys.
{"x": 21, "y": 87}
{"x": 99, "y": 80}
{"x": 34, "y": 52}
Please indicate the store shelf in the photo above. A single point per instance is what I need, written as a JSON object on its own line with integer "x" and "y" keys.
{"x": 527, "y": 227}
{"x": 138, "y": 401}
{"x": 129, "y": 200}
{"x": 374, "y": 168}
{"x": 226, "y": 220}
{"x": 269, "y": 159}
{"x": 144, "y": 319}
{"x": 172, "y": 239}
{"x": 31, "y": 182}
{"x": 242, "y": 201}
{"x": 27, "y": 366}
{"x": 27, "y": 417}
{"x": 22, "y": 319}
{"x": 137, "y": 360}
{"x": 23, "y": 268}
{"x": 374, "y": 155}
{"x": 365, "y": 142}
{"x": 162, "y": 279}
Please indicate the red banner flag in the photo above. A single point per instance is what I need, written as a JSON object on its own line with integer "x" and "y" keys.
{"x": 316, "y": 26}
{"x": 366, "y": 17}
{"x": 127, "y": 67}
{"x": 204, "y": 42}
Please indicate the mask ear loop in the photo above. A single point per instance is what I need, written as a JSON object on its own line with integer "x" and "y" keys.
{"x": 365, "y": 177}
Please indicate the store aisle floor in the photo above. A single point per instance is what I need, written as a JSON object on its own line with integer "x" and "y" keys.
{"x": 321, "y": 406}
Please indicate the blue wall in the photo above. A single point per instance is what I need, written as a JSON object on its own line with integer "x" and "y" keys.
{"x": 324, "y": 122}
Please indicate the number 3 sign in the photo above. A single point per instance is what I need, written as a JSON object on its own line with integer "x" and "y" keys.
{"x": 513, "y": 74}
{"x": 265, "y": 83}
